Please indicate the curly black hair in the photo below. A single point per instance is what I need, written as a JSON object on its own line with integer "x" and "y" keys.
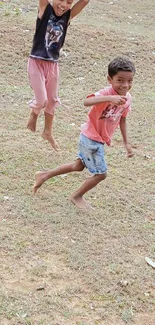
{"x": 120, "y": 64}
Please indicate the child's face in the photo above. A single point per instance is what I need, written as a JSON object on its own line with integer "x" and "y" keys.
{"x": 122, "y": 82}
{"x": 61, "y": 6}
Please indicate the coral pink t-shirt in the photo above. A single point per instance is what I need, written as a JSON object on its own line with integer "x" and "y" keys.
{"x": 103, "y": 119}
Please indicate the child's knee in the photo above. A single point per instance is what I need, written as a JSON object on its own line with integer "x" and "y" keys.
{"x": 50, "y": 106}
{"x": 103, "y": 176}
{"x": 78, "y": 166}
{"x": 37, "y": 106}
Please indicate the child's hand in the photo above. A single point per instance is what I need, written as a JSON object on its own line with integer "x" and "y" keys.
{"x": 118, "y": 100}
{"x": 130, "y": 153}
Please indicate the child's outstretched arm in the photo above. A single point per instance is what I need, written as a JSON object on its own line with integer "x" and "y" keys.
{"x": 123, "y": 129}
{"x": 115, "y": 99}
{"x": 77, "y": 8}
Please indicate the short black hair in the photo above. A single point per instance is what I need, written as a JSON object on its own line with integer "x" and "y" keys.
{"x": 120, "y": 64}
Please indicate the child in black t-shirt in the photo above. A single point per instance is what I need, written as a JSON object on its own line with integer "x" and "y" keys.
{"x": 43, "y": 69}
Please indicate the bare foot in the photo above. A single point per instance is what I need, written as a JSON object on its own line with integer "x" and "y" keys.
{"x": 40, "y": 178}
{"x": 135, "y": 146}
{"x": 51, "y": 140}
{"x": 80, "y": 202}
{"x": 130, "y": 154}
{"x": 31, "y": 125}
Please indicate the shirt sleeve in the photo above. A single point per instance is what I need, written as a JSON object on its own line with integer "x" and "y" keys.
{"x": 100, "y": 106}
{"x": 101, "y": 92}
{"x": 91, "y": 95}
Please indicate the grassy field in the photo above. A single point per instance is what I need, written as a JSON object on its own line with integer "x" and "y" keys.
{"x": 59, "y": 265}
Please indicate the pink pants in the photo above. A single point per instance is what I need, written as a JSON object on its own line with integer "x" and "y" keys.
{"x": 44, "y": 80}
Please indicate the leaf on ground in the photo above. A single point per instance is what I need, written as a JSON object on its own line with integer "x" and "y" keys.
{"x": 150, "y": 262}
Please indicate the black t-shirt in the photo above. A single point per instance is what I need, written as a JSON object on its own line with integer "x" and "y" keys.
{"x": 50, "y": 35}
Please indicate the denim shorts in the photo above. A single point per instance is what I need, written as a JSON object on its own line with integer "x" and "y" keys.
{"x": 92, "y": 154}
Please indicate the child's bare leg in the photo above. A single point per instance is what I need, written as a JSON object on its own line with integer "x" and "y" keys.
{"x": 47, "y": 132}
{"x": 41, "y": 177}
{"x": 31, "y": 125}
{"x": 77, "y": 197}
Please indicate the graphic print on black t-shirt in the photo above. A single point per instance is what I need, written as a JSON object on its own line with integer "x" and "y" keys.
{"x": 50, "y": 35}
{"x": 53, "y": 33}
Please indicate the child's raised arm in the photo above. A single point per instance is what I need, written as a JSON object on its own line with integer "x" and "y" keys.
{"x": 115, "y": 99}
{"x": 42, "y": 5}
{"x": 77, "y": 8}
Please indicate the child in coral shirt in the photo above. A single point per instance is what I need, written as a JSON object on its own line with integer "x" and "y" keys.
{"x": 109, "y": 108}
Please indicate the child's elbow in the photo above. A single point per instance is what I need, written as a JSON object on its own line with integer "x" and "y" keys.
{"x": 86, "y": 102}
